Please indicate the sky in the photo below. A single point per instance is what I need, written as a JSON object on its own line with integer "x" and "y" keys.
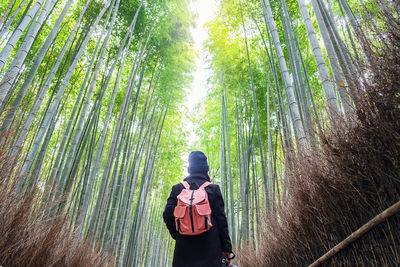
{"x": 205, "y": 10}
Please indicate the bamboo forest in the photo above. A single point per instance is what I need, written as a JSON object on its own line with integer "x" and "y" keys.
{"x": 295, "y": 103}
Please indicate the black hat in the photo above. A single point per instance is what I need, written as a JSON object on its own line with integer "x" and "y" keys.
{"x": 198, "y": 162}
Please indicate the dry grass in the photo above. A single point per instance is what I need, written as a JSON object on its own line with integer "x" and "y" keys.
{"x": 29, "y": 236}
{"x": 352, "y": 177}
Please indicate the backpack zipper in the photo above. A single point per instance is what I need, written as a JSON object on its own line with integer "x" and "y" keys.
{"x": 191, "y": 212}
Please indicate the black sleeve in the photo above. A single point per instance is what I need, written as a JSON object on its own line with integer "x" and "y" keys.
{"x": 168, "y": 213}
{"x": 221, "y": 221}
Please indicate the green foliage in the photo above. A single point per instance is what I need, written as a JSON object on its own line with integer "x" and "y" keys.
{"x": 116, "y": 149}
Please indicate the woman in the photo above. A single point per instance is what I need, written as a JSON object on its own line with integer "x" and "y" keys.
{"x": 208, "y": 248}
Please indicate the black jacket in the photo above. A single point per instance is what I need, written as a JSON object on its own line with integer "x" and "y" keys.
{"x": 202, "y": 250}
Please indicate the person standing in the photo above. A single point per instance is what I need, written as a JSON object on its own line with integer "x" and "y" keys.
{"x": 208, "y": 248}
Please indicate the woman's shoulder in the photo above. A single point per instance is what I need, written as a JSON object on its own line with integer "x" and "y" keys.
{"x": 177, "y": 187}
{"x": 214, "y": 188}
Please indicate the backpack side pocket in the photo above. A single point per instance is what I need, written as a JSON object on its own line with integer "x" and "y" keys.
{"x": 182, "y": 222}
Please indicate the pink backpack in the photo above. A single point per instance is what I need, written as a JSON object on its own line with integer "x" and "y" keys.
{"x": 193, "y": 212}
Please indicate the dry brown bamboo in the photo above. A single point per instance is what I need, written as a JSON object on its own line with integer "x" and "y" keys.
{"x": 357, "y": 234}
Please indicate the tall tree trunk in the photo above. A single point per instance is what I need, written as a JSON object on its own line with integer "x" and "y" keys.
{"x": 333, "y": 61}
{"x": 33, "y": 70}
{"x": 14, "y": 39}
{"x": 16, "y": 64}
{"x": 77, "y": 136}
{"x": 323, "y": 72}
{"x": 43, "y": 89}
{"x": 264, "y": 175}
{"x": 290, "y": 95}
{"x": 6, "y": 14}
{"x": 54, "y": 105}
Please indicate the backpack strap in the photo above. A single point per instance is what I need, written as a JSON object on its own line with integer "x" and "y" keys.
{"x": 185, "y": 185}
{"x": 204, "y": 185}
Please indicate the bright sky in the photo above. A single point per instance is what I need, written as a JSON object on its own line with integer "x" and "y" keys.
{"x": 204, "y": 9}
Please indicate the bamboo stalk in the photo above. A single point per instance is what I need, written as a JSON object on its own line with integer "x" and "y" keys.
{"x": 359, "y": 233}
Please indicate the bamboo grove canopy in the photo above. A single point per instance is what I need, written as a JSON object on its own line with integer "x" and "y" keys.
{"x": 93, "y": 93}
